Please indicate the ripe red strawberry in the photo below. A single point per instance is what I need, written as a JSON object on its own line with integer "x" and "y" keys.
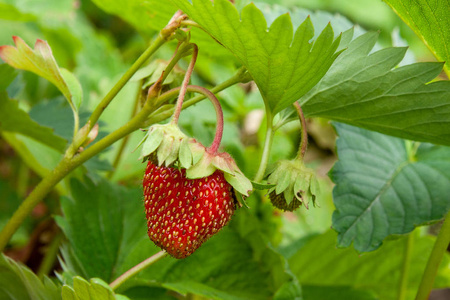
{"x": 183, "y": 213}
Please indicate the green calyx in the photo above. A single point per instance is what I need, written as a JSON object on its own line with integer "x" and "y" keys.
{"x": 169, "y": 146}
{"x": 210, "y": 162}
{"x": 295, "y": 184}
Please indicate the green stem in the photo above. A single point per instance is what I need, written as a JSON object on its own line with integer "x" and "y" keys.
{"x": 403, "y": 286}
{"x": 267, "y": 145}
{"x": 304, "y": 132}
{"x": 124, "y": 79}
{"x": 76, "y": 122}
{"x": 187, "y": 78}
{"x": 22, "y": 179}
{"x": 180, "y": 52}
{"x": 136, "y": 269}
{"x": 41, "y": 190}
{"x": 439, "y": 249}
{"x": 191, "y": 23}
{"x": 50, "y": 256}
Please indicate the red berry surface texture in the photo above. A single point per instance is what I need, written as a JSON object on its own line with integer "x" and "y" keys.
{"x": 183, "y": 213}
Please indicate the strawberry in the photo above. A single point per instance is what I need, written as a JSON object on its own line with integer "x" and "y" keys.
{"x": 188, "y": 189}
{"x": 183, "y": 213}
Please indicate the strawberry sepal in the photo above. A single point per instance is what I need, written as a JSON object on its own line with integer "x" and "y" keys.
{"x": 209, "y": 163}
{"x": 295, "y": 184}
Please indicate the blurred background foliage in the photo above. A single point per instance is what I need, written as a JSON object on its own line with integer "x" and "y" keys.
{"x": 98, "y": 47}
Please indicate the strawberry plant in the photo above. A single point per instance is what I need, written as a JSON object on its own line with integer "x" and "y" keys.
{"x": 203, "y": 149}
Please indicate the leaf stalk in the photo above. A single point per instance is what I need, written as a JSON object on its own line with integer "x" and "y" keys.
{"x": 431, "y": 269}
{"x": 407, "y": 252}
{"x": 304, "y": 132}
{"x": 267, "y": 146}
{"x": 137, "y": 269}
{"x": 187, "y": 78}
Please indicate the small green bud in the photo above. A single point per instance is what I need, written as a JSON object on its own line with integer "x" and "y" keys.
{"x": 295, "y": 184}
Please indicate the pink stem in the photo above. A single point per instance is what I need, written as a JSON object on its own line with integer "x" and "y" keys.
{"x": 219, "y": 116}
{"x": 304, "y": 132}
{"x": 187, "y": 78}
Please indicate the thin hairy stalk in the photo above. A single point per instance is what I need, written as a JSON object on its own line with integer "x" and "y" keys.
{"x": 191, "y": 23}
{"x": 403, "y": 284}
{"x": 164, "y": 112}
{"x": 136, "y": 269}
{"x": 181, "y": 51}
{"x": 439, "y": 249}
{"x": 23, "y": 179}
{"x": 304, "y": 132}
{"x": 76, "y": 122}
{"x": 219, "y": 115}
{"x": 187, "y": 78}
{"x": 50, "y": 256}
{"x": 267, "y": 145}
{"x": 124, "y": 79}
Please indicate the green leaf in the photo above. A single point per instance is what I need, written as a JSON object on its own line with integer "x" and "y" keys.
{"x": 7, "y": 75}
{"x": 362, "y": 89}
{"x": 336, "y": 293}
{"x": 430, "y": 21}
{"x": 19, "y": 282}
{"x": 204, "y": 290}
{"x": 262, "y": 185}
{"x": 8, "y": 205}
{"x": 95, "y": 289}
{"x": 148, "y": 16}
{"x": 74, "y": 86}
{"x": 106, "y": 227}
{"x": 382, "y": 188}
{"x": 10, "y": 12}
{"x": 41, "y": 62}
{"x": 320, "y": 263}
{"x": 13, "y": 119}
{"x": 55, "y": 114}
{"x": 284, "y": 65}
{"x": 38, "y": 157}
{"x": 143, "y": 292}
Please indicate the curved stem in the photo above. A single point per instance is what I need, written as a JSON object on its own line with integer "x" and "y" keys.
{"x": 124, "y": 79}
{"x": 403, "y": 286}
{"x": 267, "y": 145}
{"x": 219, "y": 116}
{"x": 166, "y": 111}
{"x": 217, "y": 107}
{"x": 304, "y": 132}
{"x": 187, "y": 78}
{"x": 136, "y": 269}
{"x": 191, "y": 23}
{"x": 41, "y": 190}
{"x": 439, "y": 249}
